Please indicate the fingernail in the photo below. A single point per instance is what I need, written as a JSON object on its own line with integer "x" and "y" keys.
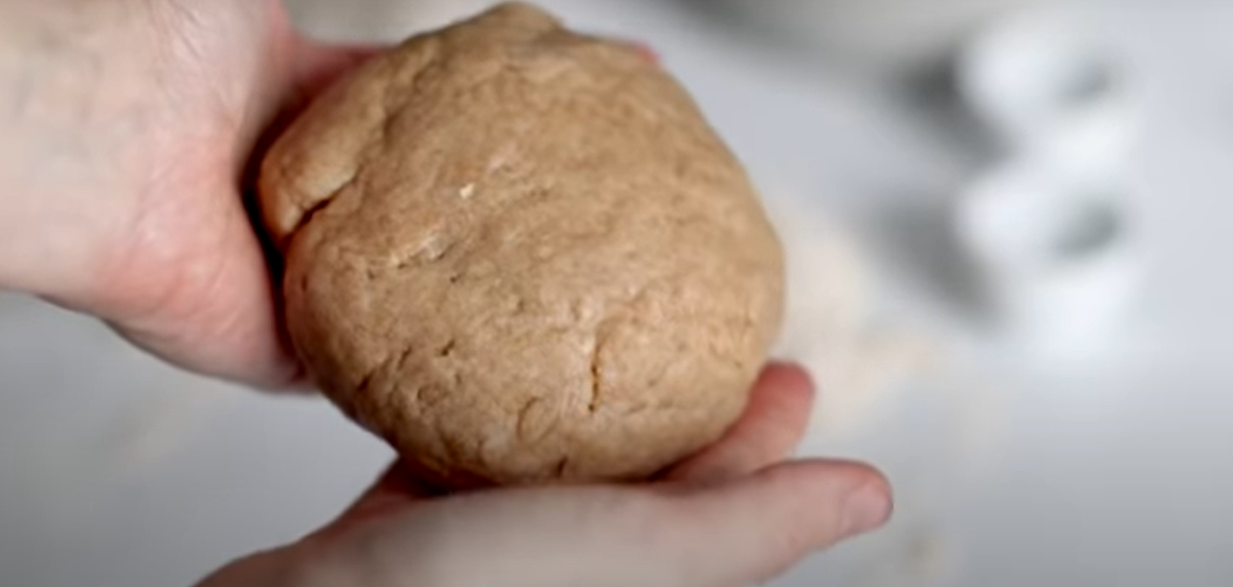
{"x": 866, "y": 509}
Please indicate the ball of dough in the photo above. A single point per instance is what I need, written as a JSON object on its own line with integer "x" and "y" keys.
{"x": 520, "y": 255}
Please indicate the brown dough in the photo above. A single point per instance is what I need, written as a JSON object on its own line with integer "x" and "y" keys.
{"x": 521, "y": 255}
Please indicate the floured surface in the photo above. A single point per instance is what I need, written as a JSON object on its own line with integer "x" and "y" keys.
{"x": 860, "y": 360}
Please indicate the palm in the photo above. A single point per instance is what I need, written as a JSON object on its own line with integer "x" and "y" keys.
{"x": 735, "y": 514}
{"x": 189, "y": 279}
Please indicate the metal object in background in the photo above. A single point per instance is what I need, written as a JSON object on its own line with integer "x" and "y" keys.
{"x": 885, "y": 35}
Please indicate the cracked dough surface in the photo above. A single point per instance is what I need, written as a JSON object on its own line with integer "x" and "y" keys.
{"x": 520, "y": 255}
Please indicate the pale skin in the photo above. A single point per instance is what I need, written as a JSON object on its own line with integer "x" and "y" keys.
{"x": 126, "y": 129}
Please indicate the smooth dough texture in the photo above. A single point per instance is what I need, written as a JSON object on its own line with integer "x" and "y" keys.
{"x": 520, "y": 255}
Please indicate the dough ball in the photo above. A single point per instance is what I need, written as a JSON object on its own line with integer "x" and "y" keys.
{"x": 520, "y": 255}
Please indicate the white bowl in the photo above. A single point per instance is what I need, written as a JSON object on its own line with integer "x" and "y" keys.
{"x": 1046, "y": 73}
{"x": 1056, "y": 251}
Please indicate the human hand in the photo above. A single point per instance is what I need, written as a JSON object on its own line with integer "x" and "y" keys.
{"x": 733, "y": 515}
{"x": 121, "y": 167}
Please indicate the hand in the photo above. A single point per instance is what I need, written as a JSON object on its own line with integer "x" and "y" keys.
{"x": 731, "y": 516}
{"x": 121, "y": 167}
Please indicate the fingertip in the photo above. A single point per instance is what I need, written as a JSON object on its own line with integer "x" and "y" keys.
{"x": 867, "y": 508}
{"x": 817, "y": 505}
{"x": 784, "y": 378}
{"x": 648, "y": 53}
{"x": 813, "y": 506}
{"x": 853, "y": 497}
{"x": 783, "y": 392}
{"x": 757, "y": 527}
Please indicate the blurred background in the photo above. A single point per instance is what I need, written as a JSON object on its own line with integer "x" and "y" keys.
{"x": 1006, "y": 221}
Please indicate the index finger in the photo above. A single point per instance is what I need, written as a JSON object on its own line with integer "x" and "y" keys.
{"x": 770, "y": 429}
